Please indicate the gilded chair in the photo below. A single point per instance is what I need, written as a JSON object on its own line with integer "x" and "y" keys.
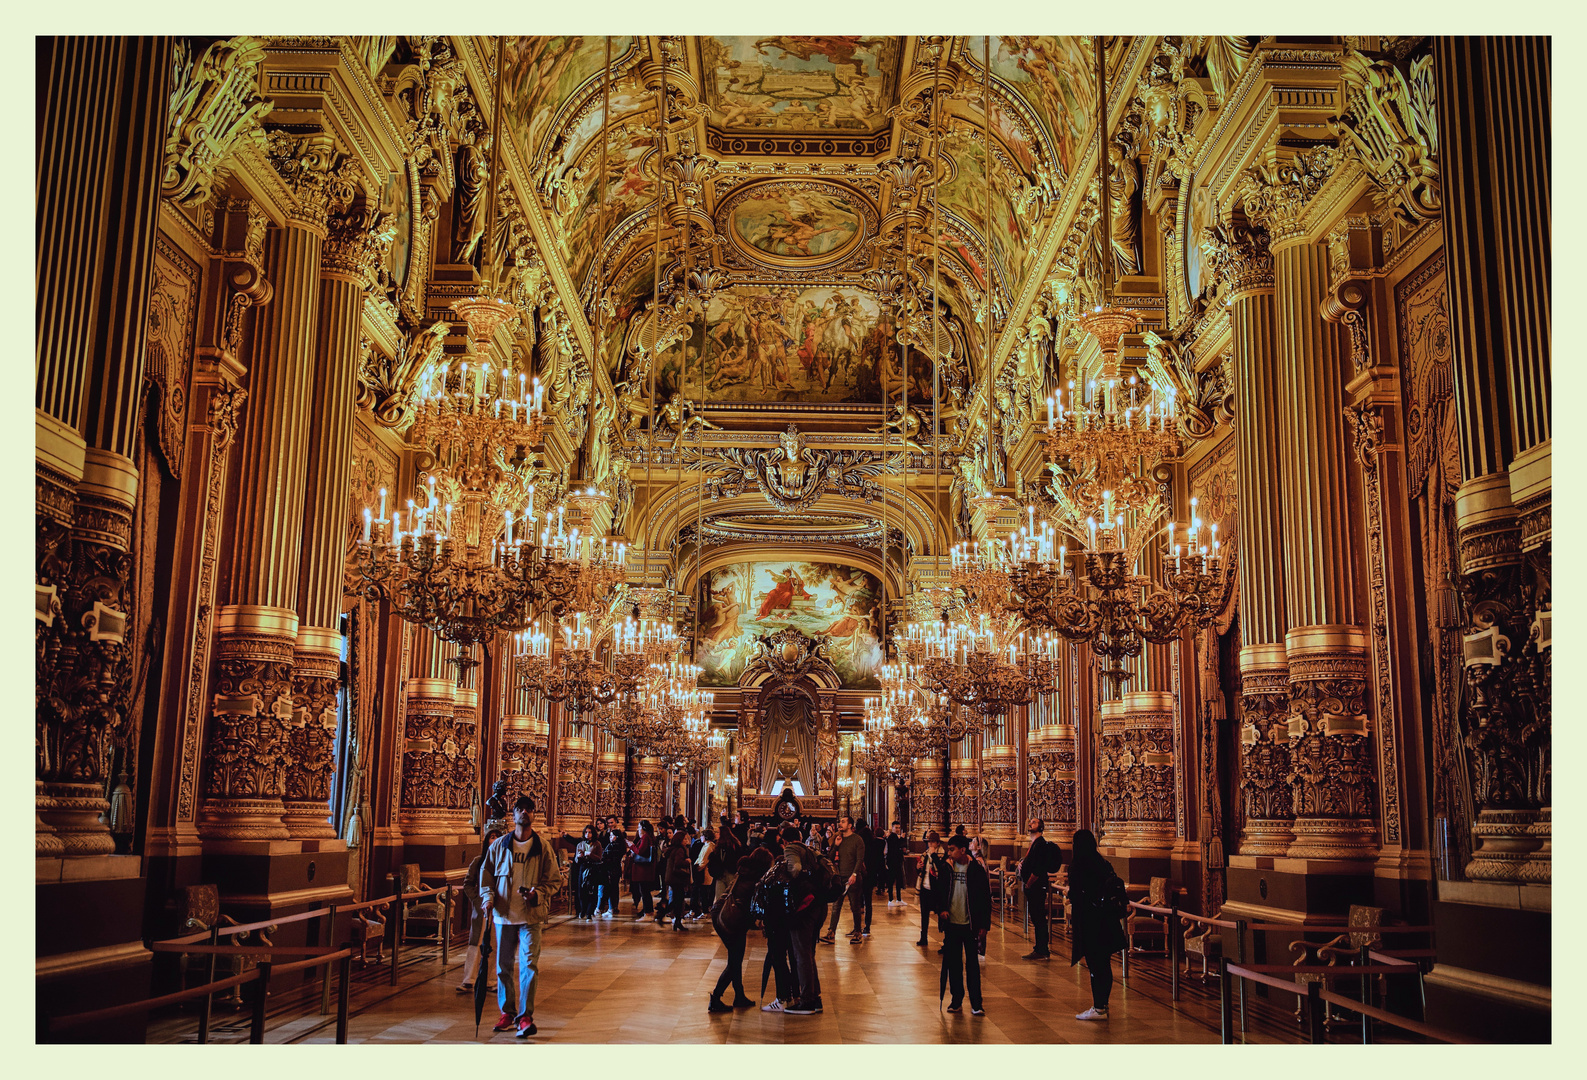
{"x": 1148, "y": 925}
{"x": 429, "y": 913}
{"x": 1363, "y": 931}
{"x": 198, "y": 908}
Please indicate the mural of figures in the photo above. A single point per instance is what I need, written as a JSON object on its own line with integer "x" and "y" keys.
{"x": 965, "y": 196}
{"x": 800, "y": 83}
{"x": 748, "y": 601}
{"x": 627, "y": 190}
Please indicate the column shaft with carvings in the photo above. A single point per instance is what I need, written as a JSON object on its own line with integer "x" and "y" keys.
{"x": 1244, "y": 261}
{"x": 524, "y": 758}
{"x": 1494, "y": 114}
{"x": 1333, "y": 766}
{"x": 964, "y": 785}
{"x": 100, "y": 148}
{"x": 1000, "y": 781}
{"x": 646, "y": 794}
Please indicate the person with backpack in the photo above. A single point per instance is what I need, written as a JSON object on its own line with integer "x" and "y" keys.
{"x": 851, "y": 873}
{"x": 731, "y": 917}
{"x": 811, "y": 878}
{"x": 613, "y": 859}
{"x": 1098, "y": 903}
{"x": 1041, "y": 858}
{"x": 962, "y": 897}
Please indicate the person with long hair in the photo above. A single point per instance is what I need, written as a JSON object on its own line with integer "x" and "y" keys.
{"x": 740, "y": 869}
{"x": 587, "y": 868}
{"x": 642, "y": 869}
{"x": 476, "y": 916}
{"x": 1096, "y": 898}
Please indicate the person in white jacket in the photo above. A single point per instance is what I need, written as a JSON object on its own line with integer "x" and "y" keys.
{"x": 516, "y": 884}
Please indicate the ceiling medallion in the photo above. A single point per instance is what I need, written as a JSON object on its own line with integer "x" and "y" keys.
{"x": 796, "y": 224}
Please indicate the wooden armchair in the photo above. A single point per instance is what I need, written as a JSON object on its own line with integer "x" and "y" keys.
{"x": 429, "y": 913}
{"x": 1148, "y": 925}
{"x": 198, "y": 908}
{"x": 369, "y": 932}
{"x": 1206, "y": 942}
{"x": 1364, "y": 923}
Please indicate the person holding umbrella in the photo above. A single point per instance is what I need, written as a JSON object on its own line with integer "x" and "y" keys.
{"x": 517, "y": 882}
{"x": 962, "y": 895}
{"x": 478, "y": 939}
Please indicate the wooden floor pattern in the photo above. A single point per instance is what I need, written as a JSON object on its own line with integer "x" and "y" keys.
{"x": 621, "y": 981}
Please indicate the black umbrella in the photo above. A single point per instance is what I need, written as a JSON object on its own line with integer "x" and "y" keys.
{"x": 482, "y": 977}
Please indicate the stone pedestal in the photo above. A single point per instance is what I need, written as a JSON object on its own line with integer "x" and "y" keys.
{"x": 575, "y": 783}
{"x": 310, "y": 737}
{"x": 1264, "y": 751}
{"x": 1137, "y": 791}
{"x": 1332, "y": 764}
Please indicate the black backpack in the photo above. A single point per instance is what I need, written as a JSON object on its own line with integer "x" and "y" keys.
{"x": 829, "y": 887}
{"x": 772, "y": 900}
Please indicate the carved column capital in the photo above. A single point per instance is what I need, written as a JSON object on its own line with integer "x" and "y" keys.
{"x": 215, "y": 107}
{"x": 1240, "y": 253}
{"x": 319, "y": 176}
{"x": 1275, "y": 194}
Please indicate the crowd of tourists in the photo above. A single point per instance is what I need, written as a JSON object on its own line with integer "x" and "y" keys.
{"x": 793, "y": 883}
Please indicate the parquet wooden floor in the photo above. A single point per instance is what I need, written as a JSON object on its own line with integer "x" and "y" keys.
{"x": 621, "y": 981}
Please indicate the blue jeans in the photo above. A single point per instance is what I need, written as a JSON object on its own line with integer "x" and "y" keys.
{"x": 517, "y": 945}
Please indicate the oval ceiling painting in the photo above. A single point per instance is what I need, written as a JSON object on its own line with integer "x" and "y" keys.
{"x": 796, "y": 223}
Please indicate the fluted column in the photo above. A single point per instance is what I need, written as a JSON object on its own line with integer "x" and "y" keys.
{"x": 246, "y": 803}
{"x": 646, "y": 793}
{"x": 575, "y": 779}
{"x": 99, "y": 144}
{"x": 1495, "y": 117}
{"x": 1241, "y": 253}
{"x": 1332, "y": 762}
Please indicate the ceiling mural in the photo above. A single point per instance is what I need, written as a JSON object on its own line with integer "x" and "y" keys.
{"x": 1056, "y": 76}
{"x": 965, "y": 196}
{"x": 799, "y": 84}
{"x": 747, "y": 601}
{"x": 796, "y": 224}
{"x": 540, "y": 75}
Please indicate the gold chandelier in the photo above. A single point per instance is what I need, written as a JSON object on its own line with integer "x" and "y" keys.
{"x": 439, "y": 572}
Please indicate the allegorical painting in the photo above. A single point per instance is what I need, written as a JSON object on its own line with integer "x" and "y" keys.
{"x": 796, "y": 224}
{"x": 800, "y": 83}
{"x": 748, "y": 601}
{"x": 771, "y": 344}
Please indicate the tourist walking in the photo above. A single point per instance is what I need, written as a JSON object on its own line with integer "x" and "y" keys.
{"x": 963, "y": 899}
{"x": 676, "y": 874}
{"x": 517, "y": 881}
{"x": 893, "y": 849}
{"x": 932, "y": 865}
{"x": 1098, "y": 905}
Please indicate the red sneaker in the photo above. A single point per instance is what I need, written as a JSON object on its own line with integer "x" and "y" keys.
{"x": 503, "y": 1023}
{"x": 526, "y": 1027}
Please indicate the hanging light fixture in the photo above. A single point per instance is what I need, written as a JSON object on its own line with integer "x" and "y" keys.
{"x": 1104, "y": 442}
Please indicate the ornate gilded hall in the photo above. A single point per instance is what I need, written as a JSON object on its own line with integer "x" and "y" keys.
{"x": 1142, "y": 437}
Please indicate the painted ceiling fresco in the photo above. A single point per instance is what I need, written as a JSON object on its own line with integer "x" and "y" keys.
{"x": 799, "y": 84}
{"x": 794, "y": 226}
{"x": 747, "y": 601}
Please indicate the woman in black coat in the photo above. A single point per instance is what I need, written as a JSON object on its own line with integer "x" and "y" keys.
{"x": 642, "y": 871}
{"x": 1098, "y": 929}
{"x": 731, "y": 918}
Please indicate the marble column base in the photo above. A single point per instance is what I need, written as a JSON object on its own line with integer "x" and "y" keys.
{"x": 75, "y": 815}
{"x": 1503, "y": 844}
{"x": 1333, "y": 838}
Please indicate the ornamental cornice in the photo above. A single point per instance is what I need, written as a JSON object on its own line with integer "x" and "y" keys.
{"x": 320, "y": 178}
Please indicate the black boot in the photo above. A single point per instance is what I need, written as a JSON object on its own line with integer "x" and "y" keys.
{"x": 717, "y": 1006}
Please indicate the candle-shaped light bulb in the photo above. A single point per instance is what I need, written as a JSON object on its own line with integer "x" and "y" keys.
{"x": 382, "y": 504}
{"x": 366, "y": 524}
